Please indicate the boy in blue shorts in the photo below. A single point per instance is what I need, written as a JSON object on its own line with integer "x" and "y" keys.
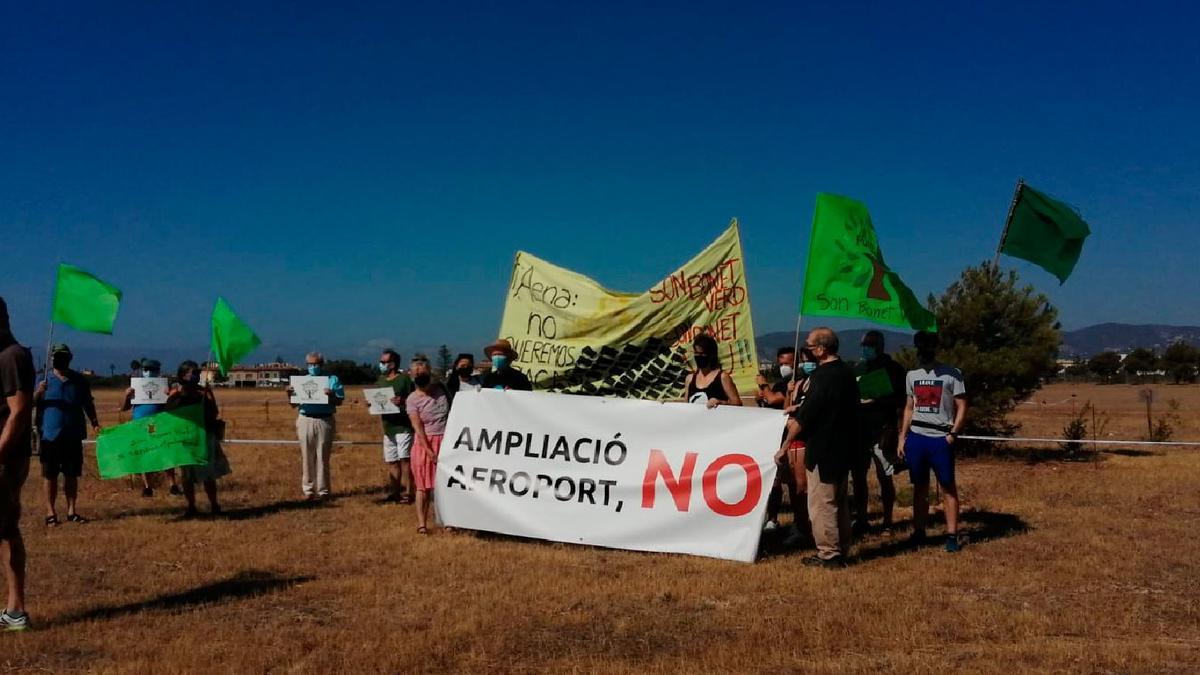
{"x": 933, "y": 417}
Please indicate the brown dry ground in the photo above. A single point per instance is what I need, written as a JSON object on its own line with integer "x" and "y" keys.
{"x": 1073, "y": 566}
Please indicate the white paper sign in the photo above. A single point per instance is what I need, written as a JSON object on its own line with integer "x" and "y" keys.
{"x": 309, "y": 389}
{"x": 611, "y": 472}
{"x": 148, "y": 390}
{"x": 380, "y": 401}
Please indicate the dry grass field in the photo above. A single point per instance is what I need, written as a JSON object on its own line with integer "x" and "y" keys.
{"x": 1071, "y": 566}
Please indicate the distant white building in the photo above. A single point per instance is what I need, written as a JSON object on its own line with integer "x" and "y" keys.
{"x": 259, "y": 375}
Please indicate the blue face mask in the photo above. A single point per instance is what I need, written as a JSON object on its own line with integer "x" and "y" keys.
{"x": 499, "y": 361}
{"x": 149, "y": 373}
{"x": 869, "y": 353}
{"x": 383, "y": 367}
{"x": 808, "y": 367}
{"x": 314, "y": 369}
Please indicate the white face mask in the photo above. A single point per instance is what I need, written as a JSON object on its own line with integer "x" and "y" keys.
{"x": 786, "y": 371}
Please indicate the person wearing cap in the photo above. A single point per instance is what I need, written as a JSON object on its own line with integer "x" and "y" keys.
{"x": 16, "y": 402}
{"x": 148, "y": 368}
{"x": 463, "y": 377}
{"x": 316, "y": 428}
{"x": 503, "y": 375}
{"x": 397, "y": 429}
{"x": 63, "y": 400}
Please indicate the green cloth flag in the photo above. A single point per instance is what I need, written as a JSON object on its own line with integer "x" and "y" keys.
{"x": 875, "y": 384}
{"x": 231, "y": 337}
{"x": 1044, "y": 231}
{"x": 156, "y": 443}
{"x": 846, "y": 274}
{"x": 84, "y": 302}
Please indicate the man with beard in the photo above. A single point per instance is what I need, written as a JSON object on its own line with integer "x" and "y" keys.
{"x": 933, "y": 417}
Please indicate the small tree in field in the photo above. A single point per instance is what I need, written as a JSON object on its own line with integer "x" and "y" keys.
{"x": 1003, "y": 337}
{"x": 1138, "y": 361}
{"x": 1180, "y": 361}
{"x": 1105, "y": 365}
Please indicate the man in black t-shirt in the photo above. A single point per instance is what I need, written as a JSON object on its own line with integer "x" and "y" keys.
{"x": 503, "y": 375}
{"x": 16, "y": 406}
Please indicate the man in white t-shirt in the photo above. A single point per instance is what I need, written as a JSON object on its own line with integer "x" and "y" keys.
{"x": 933, "y": 417}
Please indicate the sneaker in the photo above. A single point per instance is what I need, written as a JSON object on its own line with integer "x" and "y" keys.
{"x": 147, "y": 492}
{"x": 836, "y": 562}
{"x": 952, "y": 544}
{"x": 14, "y": 621}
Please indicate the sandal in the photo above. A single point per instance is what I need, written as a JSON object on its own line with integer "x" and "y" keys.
{"x": 76, "y": 518}
{"x": 52, "y": 521}
{"x": 422, "y": 530}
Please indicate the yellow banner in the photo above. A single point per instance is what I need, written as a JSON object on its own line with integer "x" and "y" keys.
{"x": 573, "y": 335}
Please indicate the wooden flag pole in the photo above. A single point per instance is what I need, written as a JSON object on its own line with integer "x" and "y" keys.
{"x": 1008, "y": 221}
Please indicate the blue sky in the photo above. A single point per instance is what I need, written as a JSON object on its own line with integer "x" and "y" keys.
{"x": 362, "y": 174}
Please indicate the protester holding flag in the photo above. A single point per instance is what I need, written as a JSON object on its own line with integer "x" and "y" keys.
{"x": 828, "y": 425}
{"x": 16, "y": 403}
{"x": 428, "y": 407}
{"x": 933, "y": 417}
{"x": 881, "y": 386}
{"x": 503, "y": 375}
{"x": 397, "y": 429}
{"x": 316, "y": 428}
{"x": 148, "y": 368}
{"x": 790, "y": 456}
{"x": 709, "y": 384}
{"x": 189, "y": 392}
{"x": 63, "y": 400}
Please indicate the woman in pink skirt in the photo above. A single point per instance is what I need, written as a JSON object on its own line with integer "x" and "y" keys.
{"x": 428, "y": 408}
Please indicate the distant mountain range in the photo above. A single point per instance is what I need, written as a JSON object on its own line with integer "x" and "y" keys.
{"x": 1082, "y": 342}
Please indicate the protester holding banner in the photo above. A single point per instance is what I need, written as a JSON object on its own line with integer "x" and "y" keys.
{"x": 16, "y": 403}
{"x": 189, "y": 392}
{"x": 933, "y": 417}
{"x": 463, "y": 377}
{"x": 790, "y": 456}
{"x": 879, "y": 414}
{"x": 397, "y": 429}
{"x": 63, "y": 400}
{"x": 315, "y": 426}
{"x": 148, "y": 368}
{"x": 829, "y": 428}
{"x": 709, "y": 384}
{"x": 503, "y": 375}
{"x": 428, "y": 407}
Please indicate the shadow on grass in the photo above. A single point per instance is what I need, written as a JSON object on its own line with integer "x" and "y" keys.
{"x": 248, "y": 584}
{"x": 975, "y": 527}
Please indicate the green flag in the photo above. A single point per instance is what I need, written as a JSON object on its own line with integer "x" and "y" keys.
{"x": 875, "y": 384}
{"x": 84, "y": 302}
{"x": 156, "y": 443}
{"x": 846, "y": 274}
{"x": 231, "y": 337}
{"x": 1044, "y": 231}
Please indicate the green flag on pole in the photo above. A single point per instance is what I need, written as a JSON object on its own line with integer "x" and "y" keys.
{"x": 156, "y": 443}
{"x": 84, "y": 302}
{"x": 231, "y": 337}
{"x": 1044, "y": 231}
{"x": 846, "y": 274}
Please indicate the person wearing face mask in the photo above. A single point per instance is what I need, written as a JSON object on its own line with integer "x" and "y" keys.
{"x": 934, "y": 415}
{"x": 709, "y": 384}
{"x": 427, "y": 407}
{"x": 774, "y": 395}
{"x": 879, "y": 422}
{"x": 463, "y": 377}
{"x": 187, "y": 391}
{"x": 503, "y": 376}
{"x": 397, "y": 429}
{"x": 827, "y": 422}
{"x": 315, "y": 426}
{"x": 16, "y": 446}
{"x": 63, "y": 399}
{"x": 148, "y": 368}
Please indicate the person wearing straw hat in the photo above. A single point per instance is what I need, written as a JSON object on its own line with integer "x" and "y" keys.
{"x": 503, "y": 375}
{"x": 16, "y": 402}
{"x": 63, "y": 399}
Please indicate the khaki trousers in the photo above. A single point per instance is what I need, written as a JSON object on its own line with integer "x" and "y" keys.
{"x": 316, "y": 446}
{"x": 830, "y": 516}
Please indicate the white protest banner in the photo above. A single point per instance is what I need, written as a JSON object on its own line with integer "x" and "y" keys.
{"x": 148, "y": 390}
{"x": 622, "y": 473}
{"x": 379, "y": 401}
{"x": 309, "y": 389}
